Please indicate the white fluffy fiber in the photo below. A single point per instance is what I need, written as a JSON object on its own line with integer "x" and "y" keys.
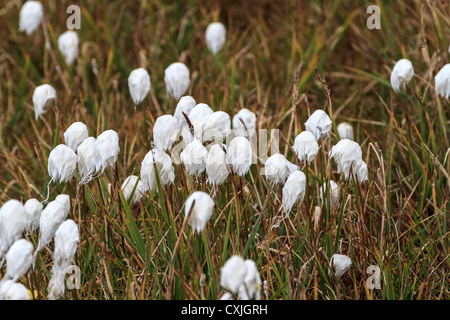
{"x": 177, "y": 79}
{"x": 139, "y": 85}
{"x": 215, "y": 35}
{"x": 402, "y": 73}
{"x": 442, "y": 81}
{"x": 294, "y": 189}
{"x": 319, "y": 124}
{"x": 164, "y": 166}
{"x": 33, "y": 208}
{"x": 68, "y": 44}
{"x": 133, "y": 183}
{"x": 12, "y": 224}
{"x": 75, "y": 134}
{"x": 200, "y": 211}
{"x": 165, "y": 132}
{"x": 306, "y": 147}
{"x": 43, "y": 95}
{"x": 216, "y": 167}
{"x": 194, "y": 157}
{"x": 240, "y": 155}
{"x": 62, "y": 163}
{"x": 278, "y": 168}
{"x": 31, "y": 16}
{"x": 85, "y": 159}
{"x": 106, "y": 150}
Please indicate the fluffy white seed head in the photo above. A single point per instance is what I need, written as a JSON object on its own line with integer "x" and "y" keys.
{"x": 216, "y": 35}
{"x": 216, "y": 167}
{"x": 200, "y": 211}
{"x": 334, "y": 192}
{"x": 85, "y": 158}
{"x": 232, "y": 274}
{"x": 64, "y": 199}
{"x": 250, "y": 289}
{"x": 163, "y": 164}
{"x": 341, "y": 263}
{"x": 345, "y": 130}
{"x": 51, "y": 218}
{"x": 226, "y": 296}
{"x": 130, "y": 183}
{"x": 186, "y": 104}
{"x": 75, "y": 135}
{"x": 139, "y": 85}
{"x": 294, "y": 189}
{"x": 278, "y": 168}
{"x": 9, "y": 290}
{"x": 62, "y": 163}
{"x": 363, "y": 173}
{"x": 66, "y": 239}
{"x": 198, "y": 116}
{"x": 31, "y": 16}
{"x": 19, "y": 259}
{"x": 177, "y": 79}
{"x": 442, "y": 81}
{"x": 306, "y": 147}
{"x": 106, "y": 150}
{"x": 33, "y": 208}
{"x": 402, "y": 73}
{"x": 13, "y": 218}
{"x": 244, "y": 123}
{"x": 68, "y": 44}
{"x": 348, "y": 156}
{"x": 194, "y": 157}
{"x": 217, "y": 126}
{"x": 319, "y": 124}
{"x": 165, "y": 132}
{"x": 43, "y": 95}
{"x": 240, "y": 155}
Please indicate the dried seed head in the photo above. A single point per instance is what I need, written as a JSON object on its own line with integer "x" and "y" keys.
{"x": 43, "y": 95}
{"x": 19, "y": 259}
{"x": 244, "y": 123}
{"x": 294, "y": 189}
{"x": 232, "y": 274}
{"x": 186, "y": 104}
{"x": 139, "y": 85}
{"x": 177, "y": 79}
{"x": 348, "y": 156}
{"x": 217, "y": 126}
{"x": 13, "y": 217}
{"x": 106, "y": 150}
{"x": 251, "y": 287}
{"x": 198, "y": 116}
{"x": 341, "y": 264}
{"x": 215, "y": 35}
{"x": 165, "y": 132}
{"x": 31, "y": 16}
{"x": 200, "y": 211}
{"x": 13, "y": 291}
{"x": 345, "y": 131}
{"x": 319, "y": 124}
{"x": 306, "y": 147}
{"x": 68, "y": 44}
{"x": 278, "y": 168}
{"x": 75, "y": 135}
{"x": 85, "y": 159}
{"x": 402, "y": 73}
{"x": 51, "y": 218}
{"x": 334, "y": 192}
{"x": 62, "y": 163}
{"x": 442, "y": 81}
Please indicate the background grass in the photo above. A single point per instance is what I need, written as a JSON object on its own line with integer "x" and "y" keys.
{"x": 398, "y": 221}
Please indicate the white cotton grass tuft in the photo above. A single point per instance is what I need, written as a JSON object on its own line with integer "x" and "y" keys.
{"x": 363, "y": 173}
{"x": 165, "y": 132}
{"x": 200, "y": 211}
{"x": 216, "y": 167}
{"x": 277, "y": 168}
{"x": 348, "y": 156}
{"x": 86, "y": 160}
{"x": 251, "y": 287}
{"x": 51, "y": 218}
{"x": 442, "y": 81}
{"x": 402, "y": 73}
{"x": 345, "y": 131}
{"x": 33, "y": 209}
{"x": 164, "y": 166}
{"x": 68, "y": 44}
{"x": 340, "y": 263}
{"x": 133, "y": 183}
{"x": 306, "y": 147}
{"x": 217, "y": 126}
{"x": 106, "y": 150}
{"x": 319, "y": 124}
{"x": 215, "y": 35}
{"x": 241, "y": 277}
{"x": 9, "y": 290}
{"x": 75, "y": 135}
{"x": 233, "y": 273}
{"x": 62, "y": 163}
{"x": 18, "y": 259}
{"x": 43, "y": 95}
{"x": 177, "y": 79}
{"x": 198, "y": 116}
{"x": 244, "y": 123}
{"x": 333, "y": 189}
{"x": 66, "y": 240}
{"x": 12, "y": 225}
{"x": 294, "y": 189}
{"x": 31, "y": 16}
{"x": 186, "y": 104}
{"x": 139, "y": 85}
{"x": 194, "y": 157}
{"x": 64, "y": 199}
{"x": 240, "y": 155}
{"x": 226, "y": 296}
